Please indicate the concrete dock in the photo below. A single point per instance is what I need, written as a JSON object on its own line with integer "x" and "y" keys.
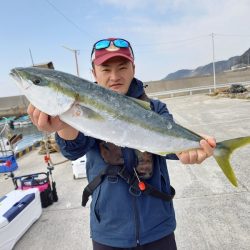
{"x": 211, "y": 213}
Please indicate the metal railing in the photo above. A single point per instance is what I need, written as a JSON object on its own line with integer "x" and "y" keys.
{"x": 190, "y": 91}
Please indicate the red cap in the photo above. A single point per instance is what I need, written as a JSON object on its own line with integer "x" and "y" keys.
{"x": 102, "y": 55}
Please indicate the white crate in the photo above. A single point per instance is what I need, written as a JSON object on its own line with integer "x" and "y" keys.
{"x": 19, "y": 209}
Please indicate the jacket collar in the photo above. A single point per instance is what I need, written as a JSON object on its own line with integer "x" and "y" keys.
{"x": 135, "y": 89}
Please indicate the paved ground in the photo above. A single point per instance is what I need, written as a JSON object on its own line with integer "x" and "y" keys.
{"x": 211, "y": 214}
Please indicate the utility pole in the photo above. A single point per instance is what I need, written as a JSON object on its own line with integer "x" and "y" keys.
{"x": 76, "y": 52}
{"x": 213, "y": 60}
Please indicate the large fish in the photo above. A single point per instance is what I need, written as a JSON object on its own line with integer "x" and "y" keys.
{"x": 109, "y": 116}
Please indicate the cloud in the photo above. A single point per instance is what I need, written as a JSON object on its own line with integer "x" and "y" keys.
{"x": 128, "y": 4}
{"x": 167, "y": 35}
{"x": 162, "y": 6}
{"x": 177, "y": 34}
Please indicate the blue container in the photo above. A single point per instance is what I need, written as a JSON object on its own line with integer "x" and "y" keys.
{"x": 8, "y": 164}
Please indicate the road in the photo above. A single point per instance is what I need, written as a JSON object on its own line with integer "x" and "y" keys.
{"x": 211, "y": 214}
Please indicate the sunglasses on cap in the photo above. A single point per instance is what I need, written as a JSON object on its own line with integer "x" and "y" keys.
{"x": 105, "y": 43}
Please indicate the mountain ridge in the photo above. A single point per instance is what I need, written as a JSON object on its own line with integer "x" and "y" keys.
{"x": 220, "y": 66}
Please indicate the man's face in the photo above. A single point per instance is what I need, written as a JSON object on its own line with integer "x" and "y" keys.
{"x": 115, "y": 74}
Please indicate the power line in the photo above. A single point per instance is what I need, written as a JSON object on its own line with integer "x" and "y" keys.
{"x": 181, "y": 42}
{"x": 68, "y": 19}
{"x": 175, "y": 41}
{"x": 168, "y": 45}
{"x": 190, "y": 39}
{"x": 236, "y": 35}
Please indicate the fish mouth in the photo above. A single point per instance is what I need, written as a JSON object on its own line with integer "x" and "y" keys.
{"x": 14, "y": 73}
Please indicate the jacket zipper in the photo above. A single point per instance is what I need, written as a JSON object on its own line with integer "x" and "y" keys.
{"x": 137, "y": 221}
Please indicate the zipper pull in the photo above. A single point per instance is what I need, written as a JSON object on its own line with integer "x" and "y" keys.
{"x": 141, "y": 184}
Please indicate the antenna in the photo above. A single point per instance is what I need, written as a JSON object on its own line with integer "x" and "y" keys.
{"x": 31, "y": 57}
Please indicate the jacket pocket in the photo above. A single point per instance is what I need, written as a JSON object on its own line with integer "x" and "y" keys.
{"x": 95, "y": 204}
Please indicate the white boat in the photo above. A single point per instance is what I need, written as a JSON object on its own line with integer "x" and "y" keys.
{"x": 22, "y": 121}
{"x": 8, "y": 142}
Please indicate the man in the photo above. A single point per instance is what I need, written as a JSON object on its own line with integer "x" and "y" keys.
{"x": 125, "y": 214}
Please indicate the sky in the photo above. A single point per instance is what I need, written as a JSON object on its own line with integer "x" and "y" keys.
{"x": 166, "y": 35}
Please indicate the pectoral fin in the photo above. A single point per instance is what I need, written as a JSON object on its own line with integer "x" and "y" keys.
{"x": 80, "y": 110}
{"x": 143, "y": 104}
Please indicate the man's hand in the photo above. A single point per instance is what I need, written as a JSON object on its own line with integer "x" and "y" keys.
{"x": 197, "y": 156}
{"x": 46, "y": 123}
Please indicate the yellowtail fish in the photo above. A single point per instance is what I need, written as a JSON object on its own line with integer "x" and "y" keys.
{"x": 104, "y": 114}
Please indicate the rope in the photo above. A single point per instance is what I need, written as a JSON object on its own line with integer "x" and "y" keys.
{"x": 46, "y": 138}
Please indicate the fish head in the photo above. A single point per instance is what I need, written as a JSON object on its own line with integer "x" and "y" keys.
{"x": 44, "y": 89}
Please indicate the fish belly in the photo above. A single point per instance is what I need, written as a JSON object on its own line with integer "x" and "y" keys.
{"x": 122, "y": 133}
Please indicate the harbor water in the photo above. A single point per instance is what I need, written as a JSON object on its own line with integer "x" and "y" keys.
{"x": 30, "y": 136}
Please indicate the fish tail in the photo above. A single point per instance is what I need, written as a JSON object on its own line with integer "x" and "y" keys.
{"x": 223, "y": 152}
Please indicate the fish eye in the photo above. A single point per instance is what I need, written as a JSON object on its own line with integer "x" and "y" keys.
{"x": 36, "y": 81}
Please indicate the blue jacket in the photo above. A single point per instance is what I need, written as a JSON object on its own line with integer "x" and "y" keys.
{"x": 118, "y": 218}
